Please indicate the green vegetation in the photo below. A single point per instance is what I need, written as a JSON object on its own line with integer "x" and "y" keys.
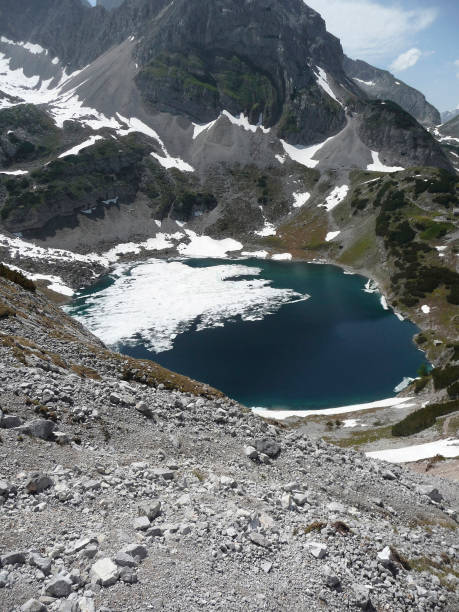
{"x": 16, "y": 277}
{"x": 443, "y": 377}
{"x": 423, "y": 418}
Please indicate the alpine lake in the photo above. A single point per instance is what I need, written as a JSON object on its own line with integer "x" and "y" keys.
{"x": 270, "y": 334}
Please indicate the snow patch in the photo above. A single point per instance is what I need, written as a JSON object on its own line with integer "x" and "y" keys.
{"x": 55, "y": 283}
{"x": 378, "y": 166}
{"x": 87, "y": 143}
{"x": 300, "y": 199}
{"x": 336, "y": 197}
{"x": 425, "y": 309}
{"x": 243, "y": 121}
{"x": 255, "y": 254}
{"x": 281, "y": 415}
{"x": 205, "y": 246}
{"x": 282, "y": 257}
{"x": 331, "y": 235}
{"x": 322, "y": 81}
{"x": 367, "y": 83}
{"x": 447, "y": 448}
{"x": 14, "y": 172}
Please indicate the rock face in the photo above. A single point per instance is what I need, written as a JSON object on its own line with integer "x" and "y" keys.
{"x": 109, "y": 4}
{"x": 382, "y": 85}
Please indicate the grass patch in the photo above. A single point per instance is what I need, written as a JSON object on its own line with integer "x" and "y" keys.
{"x": 314, "y": 526}
{"x": 359, "y": 438}
{"x": 358, "y": 250}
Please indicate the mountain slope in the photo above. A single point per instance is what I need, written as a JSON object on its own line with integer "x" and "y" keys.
{"x": 382, "y": 85}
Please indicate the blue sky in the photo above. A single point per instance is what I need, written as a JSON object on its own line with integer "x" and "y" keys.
{"x": 417, "y": 40}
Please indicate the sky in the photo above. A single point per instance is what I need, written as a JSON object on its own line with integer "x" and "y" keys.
{"x": 417, "y": 40}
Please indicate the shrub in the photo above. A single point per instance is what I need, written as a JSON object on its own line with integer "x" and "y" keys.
{"x": 443, "y": 377}
{"x": 423, "y": 418}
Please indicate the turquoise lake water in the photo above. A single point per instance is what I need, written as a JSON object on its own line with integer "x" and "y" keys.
{"x": 338, "y": 347}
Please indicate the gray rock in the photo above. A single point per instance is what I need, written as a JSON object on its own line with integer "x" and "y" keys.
{"x": 144, "y": 409}
{"x": 10, "y": 421}
{"x": 317, "y": 549}
{"x": 104, "y": 572}
{"x": 250, "y": 452}
{"x": 136, "y": 551}
{"x": 128, "y": 575}
{"x": 141, "y": 523}
{"x": 258, "y": 539}
{"x": 60, "y": 586}
{"x": 330, "y": 578}
{"x": 38, "y": 483}
{"x": 163, "y": 473}
{"x": 33, "y": 605}
{"x": 361, "y": 596}
{"x": 431, "y": 492}
{"x": 39, "y": 428}
{"x": 3, "y": 579}
{"x": 268, "y": 447}
{"x": 43, "y": 563}
{"x": 122, "y": 559}
{"x": 13, "y": 558}
{"x": 4, "y": 488}
{"x": 150, "y": 509}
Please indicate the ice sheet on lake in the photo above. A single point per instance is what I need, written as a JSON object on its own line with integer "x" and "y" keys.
{"x": 159, "y": 300}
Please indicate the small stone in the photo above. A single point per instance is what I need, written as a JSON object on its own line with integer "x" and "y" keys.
{"x": 144, "y": 409}
{"x": 33, "y": 605}
{"x": 128, "y": 575}
{"x": 431, "y": 492}
{"x": 266, "y": 566}
{"x": 60, "y": 586}
{"x": 150, "y": 509}
{"x": 13, "y": 558}
{"x": 39, "y": 428}
{"x": 9, "y": 421}
{"x": 317, "y": 549}
{"x": 136, "y": 550}
{"x": 330, "y": 578}
{"x": 104, "y": 572}
{"x": 163, "y": 473}
{"x": 258, "y": 539}
{"x": 250, "y": 452}
{"x": 300, "y": 499}
{"x": 43, "y": 563}
{"x": 141, "y": 523}
{"x": 269, "y": 447}
{"x": 38, "y": 483}
{"x": 124, "y": 560}
{"x": 388, "y": 475}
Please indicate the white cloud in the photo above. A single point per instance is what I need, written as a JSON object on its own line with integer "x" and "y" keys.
{"x": 370, "y": 30}
{"x": 406, "y": 60}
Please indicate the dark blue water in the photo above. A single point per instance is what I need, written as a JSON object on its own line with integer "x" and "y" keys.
{"x": 339, "y": 347}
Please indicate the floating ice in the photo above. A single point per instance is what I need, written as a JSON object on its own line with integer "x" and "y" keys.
{"x": 157, "y": 300}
